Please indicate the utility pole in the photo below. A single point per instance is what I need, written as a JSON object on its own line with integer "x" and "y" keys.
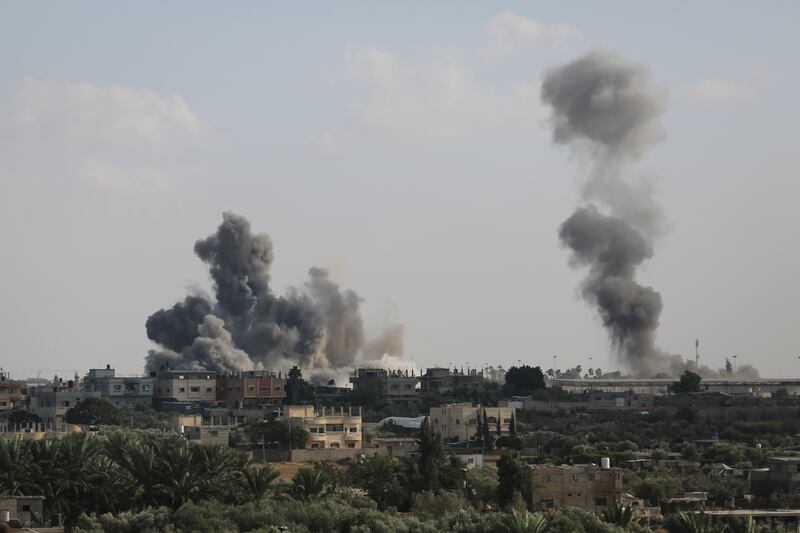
{"x": 734, "y": 364}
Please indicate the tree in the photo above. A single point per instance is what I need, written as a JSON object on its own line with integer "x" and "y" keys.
{"x": 20, "y": 417}
{"x": 488, "y": 441}
{"x": 298, "y": 390}
{"x": 310, "y": 484}
{"x": 523, "y": 380}
{"x": 619, "y": 515}
{"x": 728, "y": 366}
{"x": 94, "y": 411}
{"x": 689, "y": 382}
{"x": 260, "y": 481}
{"x": 693, "y": 523}
{"x": 499, "y": 427}
{"x": 431, "y": 452}
{"x": 509, "y": 473}
{"x": 524, "y": 522}
{"x": 512, "y": 427}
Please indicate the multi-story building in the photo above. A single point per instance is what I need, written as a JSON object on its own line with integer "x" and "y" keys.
{"x": 587, "y": 487}
{"x": 782, "y": 475}
{"x": 443, "y": 380}
{"x": 458, "y": 422}
{"x": 10, "y": 392}
{"x": 185, "y": 387}
{"x": 251, "y": 387}
{"x": 395, "y": 387}
{"x": 51, "y": 402}
{"x": 327, "y": 428}
{"x": 122, "y": 391}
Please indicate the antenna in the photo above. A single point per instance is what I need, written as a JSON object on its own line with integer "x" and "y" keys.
{"x": 697, "y": 353}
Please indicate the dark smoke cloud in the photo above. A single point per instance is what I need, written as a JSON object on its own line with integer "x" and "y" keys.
{"x": 318, "y": 326}
{"x": 608, "y": 111}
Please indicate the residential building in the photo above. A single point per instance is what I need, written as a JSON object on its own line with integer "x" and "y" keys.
{"x": 251, "y": 387}
{"x": 22, "y": 511}
{"x": 10, "y": 392}
{"x": 128, "y": 391}
{"x": 207, "y": 434}
{"x": 394, "y": 387}
{"x": 782, "y": 475}
{"x": 443, "y": 380}
{"x": 185, "y": 387}
{"x": 458, "y": 422}
{"x": 327, "y": 427}
{"x": 587, "y": 487}
{"x": 51, "y": 402}
{"x": 395, "y": 446}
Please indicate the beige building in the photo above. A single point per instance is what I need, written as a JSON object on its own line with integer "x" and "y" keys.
{"x": 327, "y": 427}
{"x": 458, "y": 422}
{"x": 587, "y": 487}
{"x": 185, "y": 386}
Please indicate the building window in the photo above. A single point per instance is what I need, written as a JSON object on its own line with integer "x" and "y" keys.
{"x": 182, "y": 389}
{"x": 194, "y": 389}
{"x": 335, "y": 445}
{"x": 351, "y": 444}
{"x": 117, "y": 387}
{"x": 353, "y": 429}
{"x": 209, "y": 389}
{"x": 315, "y": 446}
{"x": 145, "y": 388}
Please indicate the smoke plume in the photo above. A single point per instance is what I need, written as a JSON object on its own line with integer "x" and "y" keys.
{"x": 246, "y": 326}
{"x": 608, "y": 111}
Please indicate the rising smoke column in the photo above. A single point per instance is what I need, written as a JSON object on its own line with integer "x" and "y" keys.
{"x": 607, "y": 111}
{"x": 247, "y": 326}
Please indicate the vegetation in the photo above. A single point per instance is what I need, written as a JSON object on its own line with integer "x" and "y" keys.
{"x": 94, "y": 411}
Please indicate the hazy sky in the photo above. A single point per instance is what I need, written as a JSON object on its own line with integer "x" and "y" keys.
{"x": 404, "y": 147}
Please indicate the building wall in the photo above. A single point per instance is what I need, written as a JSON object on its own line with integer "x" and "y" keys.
{"x": 251, "y": 387}
{"x": 442, "y": 379}
{"x": 590, "y": 488}
{"x": 52, "y": 403}
{"x": 328, "y": 427}
{"x": 10, "y": 395}
{"x": 192, "y": 387}
{"x": 782, "y": 475}
{"x": 459, "y": 422}
{"x": 27, "y": 509}
{"x": 123, "y": 391}
{"x": 394, "y": 387}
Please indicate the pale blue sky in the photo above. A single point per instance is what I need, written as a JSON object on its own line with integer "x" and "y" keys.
{"x": 402, "y": 146}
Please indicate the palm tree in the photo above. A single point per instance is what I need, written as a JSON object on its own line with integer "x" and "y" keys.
{"x": 619, "y": 515}
{"x": 259, "y": 481}
{"x": 310, "y": 484}
{"x": 15, "y": 468}
{"x": 685, "y": 522}
{"x": 524, "y": 522}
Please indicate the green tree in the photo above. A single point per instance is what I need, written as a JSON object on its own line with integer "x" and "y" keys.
{"x": 510, "y": 476}
{"x": 298, "y": 390}
{"x": 94, "y": 411}
{"x": 259, "y": 482}
{"x": 688, "y": 382}
{"x": 431, "y": 452}
{"x": 524, "y": 522}
{"x": 693, "y": 523}
{"x": 619, "y": 515}
{"x": 310, "y": 484}
{"x": 512, "y": 428}
{"x": 523, "y": 380}
{"x": 488, "y": 441}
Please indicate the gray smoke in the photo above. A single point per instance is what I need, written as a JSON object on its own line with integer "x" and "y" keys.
{"x": 318, "y": 326}
{"x": 390, "y": 342}
{"x": 608, "y": 111}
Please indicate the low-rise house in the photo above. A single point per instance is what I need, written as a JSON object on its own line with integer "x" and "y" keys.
{"x": 394, "y": 387}
{"x": 207, "y": 434}
{"x": 458, "y": 422}
{"x": 587, "y": 487}
{"x": 444, "y": 380}
{"x": 690, "y": 501}
{"x": 11, "y": 395}
{"x": 185, "y": 387}
{"x": 253, "y": 387}
{"x": 51, "y": 402}
{"x": 782, "y": 475}
{"x": 327, "y": 427}
{"x": 122, "y": 391}
{"x": 27, "y": 511}
{"x": 395, "y": 446}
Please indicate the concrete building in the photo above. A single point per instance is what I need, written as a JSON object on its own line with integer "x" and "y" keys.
{"x": 458, "y": 422}
{"x": 782, "y": 475}
{"x": 443, "y": 380}
{"x": 24, "y": 511}
{"x": 394, "y": 387}
{"x": 251, "y": 387}
{"x": 207, "y": 434}
{"x": 587, "y": 487}
{"x": 185, "y": 387}
{"x": 128, "y": 391}
{"x": 758, "y": 387}
{"x": 51, "y": 402}
{"x": 327, "y": 427}
{"x": 11, "y": 395}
